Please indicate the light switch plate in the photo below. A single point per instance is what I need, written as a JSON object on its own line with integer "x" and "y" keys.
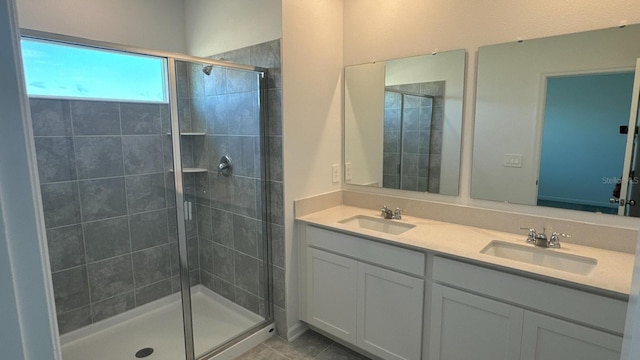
{"x": 512, "y": 160}
{"x": 335, "y": 173}
{"x": 347, "y": 171}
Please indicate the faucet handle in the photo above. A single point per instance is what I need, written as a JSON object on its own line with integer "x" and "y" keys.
{"x": 397, "y": 213}
{"x": 385, "y": 212}
{"x": 531, "y": 237}
{"x": 554, "y": 241}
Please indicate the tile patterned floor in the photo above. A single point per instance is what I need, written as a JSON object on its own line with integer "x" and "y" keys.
{"x": 309, "y": 345}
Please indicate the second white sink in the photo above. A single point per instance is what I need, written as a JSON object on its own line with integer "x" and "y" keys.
{"x": 542, "y": 257}
{"x": 377, "y": 224}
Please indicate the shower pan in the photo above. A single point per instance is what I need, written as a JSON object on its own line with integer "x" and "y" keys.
{"x": 154, "y": 251}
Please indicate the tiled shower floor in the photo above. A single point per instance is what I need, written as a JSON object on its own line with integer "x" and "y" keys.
{"x": 214, "y": 322}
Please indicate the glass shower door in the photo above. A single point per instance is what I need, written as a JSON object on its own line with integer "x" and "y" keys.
{"x": 221, "y": 136}
{"x": 108, "y": 201}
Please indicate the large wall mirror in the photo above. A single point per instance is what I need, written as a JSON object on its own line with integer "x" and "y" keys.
{"x": 403, "y": 121}
{"x": 552, "y": 118}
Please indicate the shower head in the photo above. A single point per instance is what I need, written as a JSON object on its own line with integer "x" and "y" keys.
{"x": 207, "y": 69}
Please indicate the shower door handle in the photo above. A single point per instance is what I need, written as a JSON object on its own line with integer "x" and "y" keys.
{"x": 188, "y": 214}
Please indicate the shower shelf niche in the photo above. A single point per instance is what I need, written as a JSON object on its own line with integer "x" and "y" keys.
{"x": 191, "y": 170}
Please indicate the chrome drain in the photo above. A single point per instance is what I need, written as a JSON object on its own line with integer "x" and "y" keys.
{"x": 143, "y": 353}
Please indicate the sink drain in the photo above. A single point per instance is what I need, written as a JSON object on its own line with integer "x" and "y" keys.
{"x": 143, "y": 353}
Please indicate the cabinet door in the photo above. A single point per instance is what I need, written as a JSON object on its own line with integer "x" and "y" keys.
{"x": 390, "y": 307}
{"x": 547, "y": 338}
{"x": 466, "y": 326}
{"x": 331, "y": 293}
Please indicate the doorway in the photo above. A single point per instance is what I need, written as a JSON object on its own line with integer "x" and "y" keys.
{"x": 583, "y": 140}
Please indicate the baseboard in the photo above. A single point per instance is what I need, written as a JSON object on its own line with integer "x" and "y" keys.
{"x": 297, "y": 329}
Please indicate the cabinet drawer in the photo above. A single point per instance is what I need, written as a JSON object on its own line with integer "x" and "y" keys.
{"x": 393, "y": 257}
{"x": 579, "y": 306}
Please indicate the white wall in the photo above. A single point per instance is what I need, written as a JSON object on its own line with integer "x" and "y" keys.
{"x": 510, "y": 97}
{"x": 447, "y": 66}
{"x": 27, "y": 313}
{"x": 150, "y": 24}
{"x": 312, "y": 111}
{"x": 386, "y": 29}
{"x": 217, "y": 26}
{"x": 364, "y": 122}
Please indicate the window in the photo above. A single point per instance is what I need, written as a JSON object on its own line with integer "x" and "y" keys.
{"x": 61, "y": 70}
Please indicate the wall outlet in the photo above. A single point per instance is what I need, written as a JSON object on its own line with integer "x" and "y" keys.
{"x": 512, "y": 160}
{"x": 347, "y": 171}
{"x": 335, "y": 173}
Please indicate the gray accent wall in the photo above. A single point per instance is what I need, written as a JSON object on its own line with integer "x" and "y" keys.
{"x": 230, "y": 231}
{"x": 225, "y": 108}
{"x": 107, "y": 205}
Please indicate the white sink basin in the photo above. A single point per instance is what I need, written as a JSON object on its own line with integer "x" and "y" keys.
{"x": 386, "y": 226}
{"x": 542, "y": 257}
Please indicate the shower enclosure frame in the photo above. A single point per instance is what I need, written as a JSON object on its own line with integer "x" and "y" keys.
{"x": 172, "y": 90}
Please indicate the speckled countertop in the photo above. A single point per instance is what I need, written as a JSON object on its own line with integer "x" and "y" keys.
{"x": 612, "y": 275}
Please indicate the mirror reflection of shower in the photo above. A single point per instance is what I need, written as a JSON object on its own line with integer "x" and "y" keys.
{"x": 413, "y": 119}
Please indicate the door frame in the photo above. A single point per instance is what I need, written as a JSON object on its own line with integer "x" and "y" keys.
{"x": 629, "y": 152}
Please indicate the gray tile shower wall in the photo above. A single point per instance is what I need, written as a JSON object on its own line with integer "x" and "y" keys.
{"x": 108, "y": 206}
{"x": 226, "y": 105}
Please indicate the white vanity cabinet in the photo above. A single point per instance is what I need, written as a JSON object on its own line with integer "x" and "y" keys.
{"x": 548, "y": 338}
{"x": 494, "y": 315}
{"x": 331, "y": 293}
{"x": 389, "y": 313}
{"x": 367, "y": 293}
{"x": 467, "y": 326}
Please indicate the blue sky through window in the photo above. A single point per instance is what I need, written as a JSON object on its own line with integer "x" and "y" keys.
{"x": 62, "y": 70}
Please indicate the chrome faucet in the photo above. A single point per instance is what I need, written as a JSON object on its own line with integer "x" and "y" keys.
{"x": 540, "y": 239}
{"x": 387, "y": 213}
{"x": 531, "y": 237}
